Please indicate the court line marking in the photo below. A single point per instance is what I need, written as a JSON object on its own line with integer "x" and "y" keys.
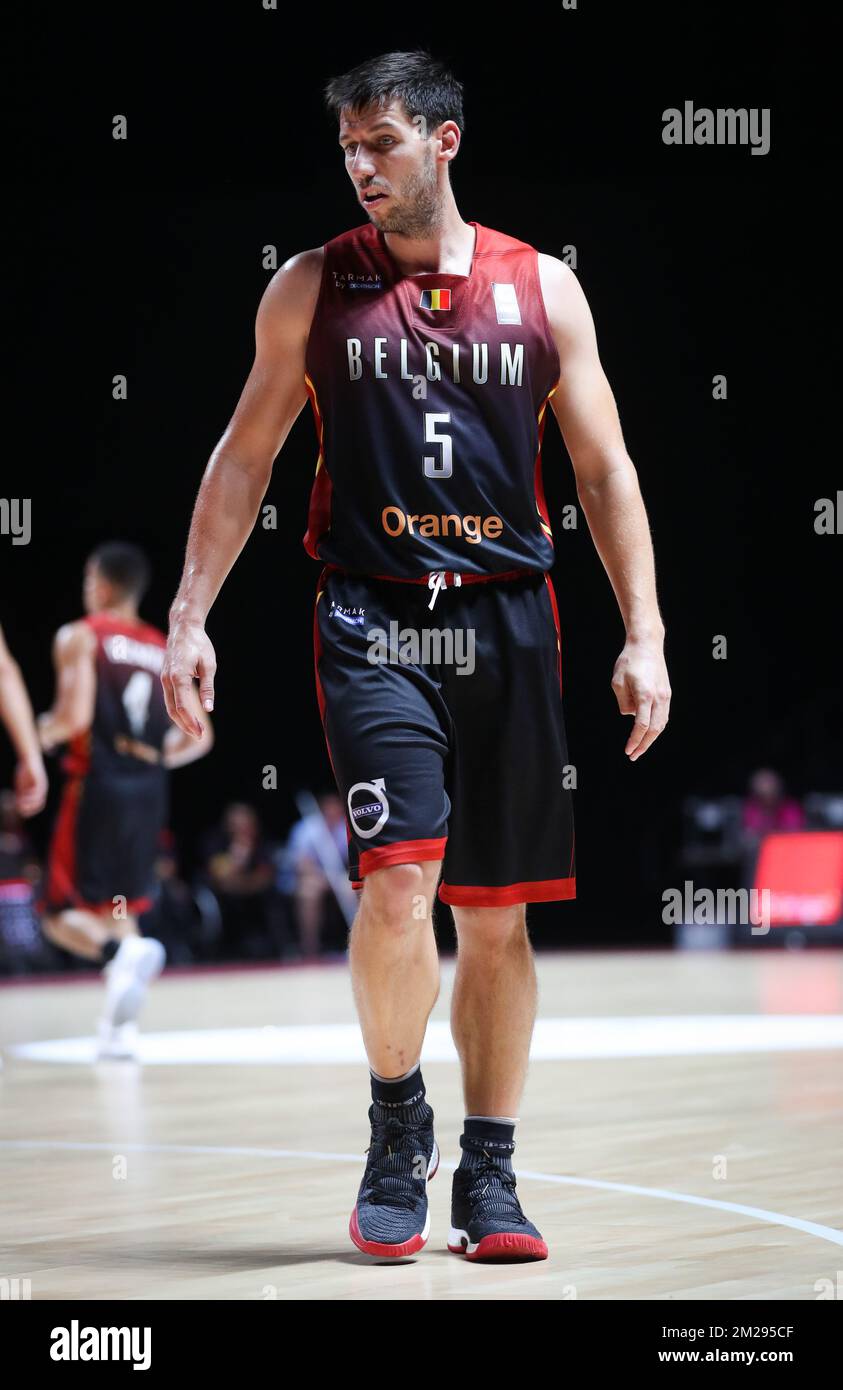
{"x": 773, "y": 1218}
{"x": 585, "y": 1038}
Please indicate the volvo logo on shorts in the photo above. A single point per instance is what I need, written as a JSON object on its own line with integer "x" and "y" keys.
{"x": 368, "y": 807}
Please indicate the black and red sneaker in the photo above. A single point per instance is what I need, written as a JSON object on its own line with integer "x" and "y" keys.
{"x": 391, "y": 1218}
{"x": 487, "y": 1222}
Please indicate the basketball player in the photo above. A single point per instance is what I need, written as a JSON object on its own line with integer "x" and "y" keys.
{"x": 16, "y": 714}
{"x": 429, "y": 349}
{"x": 109, "y": 710}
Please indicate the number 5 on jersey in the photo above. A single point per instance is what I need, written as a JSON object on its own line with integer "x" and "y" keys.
{"x": 444, "y": 467}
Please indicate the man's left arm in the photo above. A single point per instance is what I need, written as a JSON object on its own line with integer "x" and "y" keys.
{"x": 607, "y": 487}
{"x": 76, "y": 682}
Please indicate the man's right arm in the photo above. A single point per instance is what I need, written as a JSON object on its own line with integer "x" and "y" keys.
{"x": 16, "y": 714}
{"x": 237, "y": 476}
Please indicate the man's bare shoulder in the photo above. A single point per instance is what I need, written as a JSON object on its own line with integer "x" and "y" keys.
{"x": 567, "y": 307}
{"x": 558, "y": 281}
{"x": 74, "y": 640}
{"x": 292, "y": 292}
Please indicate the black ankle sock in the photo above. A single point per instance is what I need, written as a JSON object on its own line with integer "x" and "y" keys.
{"x": 403, "y": 1099}
{"x": 109, "y": 951}
{"x": 496, "y": 1137}
{"x": 406, "y": 1090}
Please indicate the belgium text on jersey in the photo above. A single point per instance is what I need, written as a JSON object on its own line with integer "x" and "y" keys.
{"x": 75, "y": 1343}
{"x": 385, "y": 361}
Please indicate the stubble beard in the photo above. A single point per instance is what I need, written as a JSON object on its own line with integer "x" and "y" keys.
{"x": 418, "y": 213}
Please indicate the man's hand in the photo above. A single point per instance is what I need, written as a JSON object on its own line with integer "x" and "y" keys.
{"x": 642, "y": 688}
{"x": 189, "y": 655}
{"x": 44, "y": 727}
{"x": 30, "y": 785}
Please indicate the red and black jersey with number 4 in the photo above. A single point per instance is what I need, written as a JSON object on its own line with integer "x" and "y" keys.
{"x": 429, "y": 394}
{"x": 114, "y": 801}
{"x": 129, "y": 709}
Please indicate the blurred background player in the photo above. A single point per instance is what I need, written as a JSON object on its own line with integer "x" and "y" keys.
{"x": 16, "y": 714}
{"x": 109, "y": 710}
{"x": 767, "y": 808}
{"x": 316, "y": 865}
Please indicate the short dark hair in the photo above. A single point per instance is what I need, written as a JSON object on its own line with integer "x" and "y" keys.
{"x": 421, "y": 82}
{"x": 125, "y": 566}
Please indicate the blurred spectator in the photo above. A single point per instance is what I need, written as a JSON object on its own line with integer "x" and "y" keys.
{"x": 22, "y": 947}
{"x": 307, "y": 862}
{"x": 174, "y": 917}
{"x": 18, "y": 859}
{"x": 239, "y": 869}
{"x": 766, "y": 808}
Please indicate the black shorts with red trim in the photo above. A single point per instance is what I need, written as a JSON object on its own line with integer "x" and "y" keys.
{"x": 105, "y": 840}
{"x": 446, "y": 733}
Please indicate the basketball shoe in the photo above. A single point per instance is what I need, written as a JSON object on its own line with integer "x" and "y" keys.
{"x": 391, "y": 1216}
{"x": 487, "y": 1222}
{"x": 136, "y": 963}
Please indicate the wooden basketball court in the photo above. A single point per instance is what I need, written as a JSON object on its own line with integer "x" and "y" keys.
{"x": 679, "y": 1138}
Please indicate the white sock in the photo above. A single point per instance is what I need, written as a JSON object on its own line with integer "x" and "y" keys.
{"x": 499, "y": 1119}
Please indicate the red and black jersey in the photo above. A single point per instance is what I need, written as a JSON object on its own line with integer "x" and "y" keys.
{"x": 429, "y": 394}
{"x": 129, "y": 708}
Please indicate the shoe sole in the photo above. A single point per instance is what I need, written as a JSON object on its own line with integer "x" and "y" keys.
{"x": 407, "y": 1247}
{"x": 129, "y": 1002}
{"x": 504, "y": 1245}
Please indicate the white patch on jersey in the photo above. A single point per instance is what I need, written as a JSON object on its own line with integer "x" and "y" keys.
{"x": 506, "y": 303}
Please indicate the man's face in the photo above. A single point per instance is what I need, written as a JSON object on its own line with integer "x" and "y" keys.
{"x": 387, "y": 158}
{"x": 241, "y": 822}
{"x": 96, "y": 590}
{"x": 332, "y": 809}
{"x": 766, "y": 786}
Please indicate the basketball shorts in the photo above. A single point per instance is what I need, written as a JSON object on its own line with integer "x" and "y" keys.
{"x": 105, "y": 842}
{"x": 445, "y": 732}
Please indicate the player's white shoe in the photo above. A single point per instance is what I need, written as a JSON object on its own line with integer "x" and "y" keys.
{"x": 137, "y": 962}
{"x": 117, "y": 1042}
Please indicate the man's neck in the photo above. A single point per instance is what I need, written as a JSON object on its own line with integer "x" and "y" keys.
{"x": 125, "y": 612}
{"x": 447, "y": 250}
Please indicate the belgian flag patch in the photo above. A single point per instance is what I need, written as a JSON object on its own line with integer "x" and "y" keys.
{"x": 435, "y": 299}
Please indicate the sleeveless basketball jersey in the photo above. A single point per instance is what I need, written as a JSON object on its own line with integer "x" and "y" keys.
{"x": 429, "y": 394}
{"x": 129, "y": 699}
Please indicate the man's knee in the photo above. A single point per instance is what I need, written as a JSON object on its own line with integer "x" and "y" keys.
{"x": 489, "y": 927}
{"x": 399, "y": 896}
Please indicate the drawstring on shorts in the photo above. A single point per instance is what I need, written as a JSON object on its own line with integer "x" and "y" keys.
{"x": 438, "y": 579}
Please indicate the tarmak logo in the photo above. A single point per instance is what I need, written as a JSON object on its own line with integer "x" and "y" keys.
{"x": 357, "y": 280}
{"x": 355, "y": 616}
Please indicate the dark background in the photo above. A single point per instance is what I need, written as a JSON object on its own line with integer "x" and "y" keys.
{"x": 144, "y": 257}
